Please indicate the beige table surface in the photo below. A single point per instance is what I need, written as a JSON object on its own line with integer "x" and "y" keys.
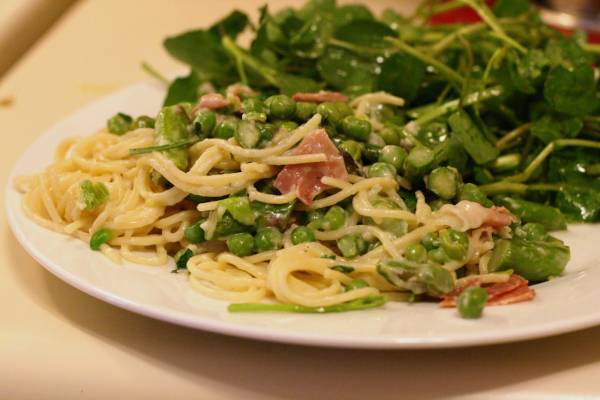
{"x": 59, "y": 343}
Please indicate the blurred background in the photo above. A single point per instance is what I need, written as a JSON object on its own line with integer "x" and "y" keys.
{"x": 23, "y": 22}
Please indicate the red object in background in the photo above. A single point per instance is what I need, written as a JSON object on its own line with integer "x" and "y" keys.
{"x": 466, "y": 15}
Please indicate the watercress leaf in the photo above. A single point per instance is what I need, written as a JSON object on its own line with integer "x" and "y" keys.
{"x": 203, "y": 51}
{"x": 566, "y": 52}
{"x": 345, "y": 70}
{"x": 511, "y": 8}
{"x": 553, "y": 126}
{"x": 365, "y": 33}
{"x": 290, "y": 84}
{"x": 93, "y": 194}
{"x": 314, "y": 7}
{"x": 571, "y": 91}
{"x": 394, "y": 72}
{"x": 310, "y": 40}
{"x": 276, "y": 215}
{"x": 232, "y": 25}
{"x": 351, "y": 12}
{"x": 470, "y": 136}
{"x": 183, "y": 89}
{"x": 579, "y": 203}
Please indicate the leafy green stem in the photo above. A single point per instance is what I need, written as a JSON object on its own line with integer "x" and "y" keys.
{"x": 541, "y": 157}
{"x": 449, "y": 39}
{"x": 425, "y": 114}
{"x": 354, "y": 305}
{"x": 488, "y": 17}
{"x": 518, "y": 188}
{"x": 506, "y": 140}
{"x": 164, "y": 147}
{"x": 150, "y": 70}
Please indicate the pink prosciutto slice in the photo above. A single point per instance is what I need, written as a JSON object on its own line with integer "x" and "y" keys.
{"x": 320, "y": 97}
{"x": 515, "y": 290}
{"x": 498, "y": 217}
{"x": 212, "y": 101}
{"x": 305, "y": 179}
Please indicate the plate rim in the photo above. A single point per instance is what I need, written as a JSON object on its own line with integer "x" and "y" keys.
{"x": 233, "y": 328}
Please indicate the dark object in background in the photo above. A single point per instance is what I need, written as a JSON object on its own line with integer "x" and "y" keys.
{"x": 572, "y": 14}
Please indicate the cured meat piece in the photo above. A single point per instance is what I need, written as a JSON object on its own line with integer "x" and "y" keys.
{"x": 498, "y": 217}
{"x": 515, "y": 290}
{"x": 212, "y": 101}
{"x": 320, "y": 97}
{"x": 305, "y": 179}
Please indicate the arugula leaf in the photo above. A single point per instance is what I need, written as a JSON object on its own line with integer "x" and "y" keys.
{"x": 93, "y": 195}
{"x": 394, "y": 72}
{"x": 471, "y": 137}
{"x": 183, "y": 89}
{"x": 232, "y": 25}
{"x": 573, "y": 91}
{"x": 553, "y": 126}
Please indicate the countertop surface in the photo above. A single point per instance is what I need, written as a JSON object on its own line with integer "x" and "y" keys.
{"x": 57, "y": 342}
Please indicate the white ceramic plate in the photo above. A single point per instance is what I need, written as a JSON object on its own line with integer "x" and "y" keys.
{"x": 564, "y": 304}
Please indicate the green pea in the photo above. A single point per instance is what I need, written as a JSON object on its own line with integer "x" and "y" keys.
{"x": 227, "y": 128}
{"x": 393, "y": 155}
{"x": 454, "y": 243}
{"x": 204, "y": 123}
{"x": 390, "y": 135}
{"x": 266, "y": 133}
{"x": 371, "y": 152}
{"x": 119, "y": 124}
{"x": 381, "y": 170}
{"x": 253, "y": 104}
{"x": 431, "y": 241}
{"x": 416, "y": 252}
{"x": 335, "y": 218}
{"x": 305, "y": 110}
{"x": 472, "y": 192}
{"x": 268, "y": 239}
{"x": 356, "y": 284}
{"x": 420, "y": 160}
{"x": 143, "y": 121}
{"x": 254, "y": 116}
{"x": 352, "y": 245}
{"x": 288, "y": 125}
{"x": 194, "y": 233}
{"x": 315, "y": 218}
{"x": 353, "y": 148}
{"x": 247, "y": 134}
{"x": 471, "y": 302}
{"x": 100, "y": 237}
{"x": 356, "y": 128}
{"x": 334, "y": 112}
{"x": 241, "y": 244}
{"x": 302, "y": 234}
{"x": 438, "y": 255}
{"x": 444, "y": 181}
{"x": 280, "y": 106}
